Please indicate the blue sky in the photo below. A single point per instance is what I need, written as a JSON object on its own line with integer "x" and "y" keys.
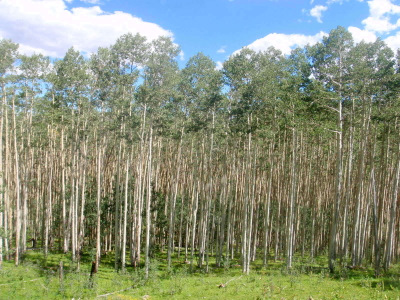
{"x": 217, "y": 28}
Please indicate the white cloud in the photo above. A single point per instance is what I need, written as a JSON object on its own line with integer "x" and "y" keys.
{"x": 329, "y": 2}
{"x": 182, "y": 55}
{"x": 91, "y": 1}
{"x": 85, "y": 1}
{"x": 316, "y": 12}
{"x": 219, "y": 65}
{"x": 379, "y": 18}
{"x": 381, "y": 25}
{"x": 393, "y": 41}
{"x": 284, "y": 42}
{"x": 362, "y": 35}
{"x": 48, "y": 27}
{"x": 378, "y": 8}
{"x": 221, "y": 50}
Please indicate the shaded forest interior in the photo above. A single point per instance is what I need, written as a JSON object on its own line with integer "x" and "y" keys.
{"x": 272, "y": 155}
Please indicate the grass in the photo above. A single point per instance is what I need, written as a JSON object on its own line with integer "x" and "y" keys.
{"x": 38, "y": 278}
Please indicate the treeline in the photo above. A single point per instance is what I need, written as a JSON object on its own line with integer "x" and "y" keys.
{"x": 270, "y": 156}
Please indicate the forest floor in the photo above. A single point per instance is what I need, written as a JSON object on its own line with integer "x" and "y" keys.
{"x": 39, "y": 278}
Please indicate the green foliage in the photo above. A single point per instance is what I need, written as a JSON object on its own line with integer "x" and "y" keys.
{"x": 39, "y": 277}
{"x": 8, "y": 55}
{"x": 233, "y": 128}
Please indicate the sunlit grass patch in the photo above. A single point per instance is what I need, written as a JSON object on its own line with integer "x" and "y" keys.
{"x": 39, "y": 277}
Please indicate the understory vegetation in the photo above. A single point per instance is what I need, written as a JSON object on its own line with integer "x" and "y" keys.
{"x": 39, "y": 277}
{"x": 123, "y": 161}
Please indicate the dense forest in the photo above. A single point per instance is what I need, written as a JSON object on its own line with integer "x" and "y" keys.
{"x": 122, "y": 151}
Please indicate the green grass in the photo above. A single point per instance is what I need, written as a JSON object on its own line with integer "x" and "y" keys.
{"x": 38, "y": 278}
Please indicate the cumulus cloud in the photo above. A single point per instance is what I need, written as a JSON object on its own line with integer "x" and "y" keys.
{"x": 182, "y": 55}
{"x": 284, "y": 42}
{"x": 334, "y": 1}
{"x": 362, "y": 35}
{"x": 317, "y": 11}
{"x": 50, "y": 28}
{"x": 393, "y": 41}
{"x": 329, "y": 2}
{"x": 380, "y": 7}
{"x": 380, "y": 25}
{"x": 221, "y": 50}
{"x": 91, "y": 1}
{"x": 379, "y": 19}
{"x": 86, "y": 1}
{"x": 219, "y": 65}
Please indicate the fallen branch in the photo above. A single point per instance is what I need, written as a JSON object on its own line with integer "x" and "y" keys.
{"x": 105, "y": 295}
{"x": 222, "y": 285}
{"x": 19, "y": 281}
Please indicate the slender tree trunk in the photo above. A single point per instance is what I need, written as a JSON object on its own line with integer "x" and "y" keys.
{"x": 117, "y": 223}
{"x": 173, "y": 203}
{"x": 393, "y": 210}
{"x": 17, "y": 191}
{"x": 2, "y": 186}
{"x": 338, "y": 190}
{"x": 98, "y": 207}
{"x": 148, "y": 203}
{"x": 293, "y": 196}
{"x": 63, "y": 194}
{"x": 125, "y": 221}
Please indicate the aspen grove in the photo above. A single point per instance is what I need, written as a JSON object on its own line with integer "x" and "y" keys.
{"x": 270, "y": 157}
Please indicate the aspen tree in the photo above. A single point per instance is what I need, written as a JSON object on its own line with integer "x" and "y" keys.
{"x": 332, "y": 69}
{"x": 8, "y": 55}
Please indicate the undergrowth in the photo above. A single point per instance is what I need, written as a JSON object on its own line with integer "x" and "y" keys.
{"x": 38, "y": 277}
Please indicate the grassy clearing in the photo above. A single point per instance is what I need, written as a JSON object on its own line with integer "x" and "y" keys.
{"x": 38, "y": 278}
